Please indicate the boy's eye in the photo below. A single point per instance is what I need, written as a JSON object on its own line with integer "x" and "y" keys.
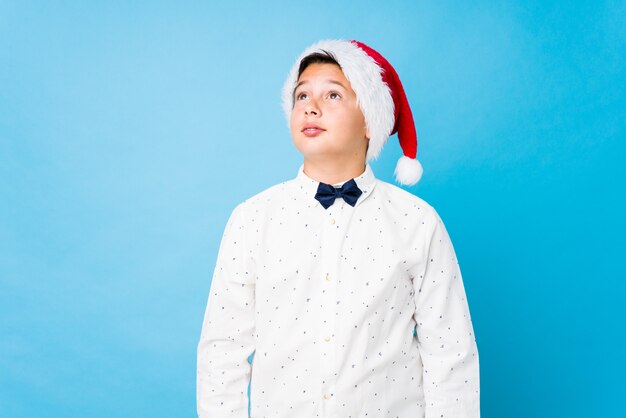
{"x": 301, "y": 96}
{"x": 334, "y": 95}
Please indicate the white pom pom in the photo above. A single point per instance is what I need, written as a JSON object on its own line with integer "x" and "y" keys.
{"x": 408, "y": 171}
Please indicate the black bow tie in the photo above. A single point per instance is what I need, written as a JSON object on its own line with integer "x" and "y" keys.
{"x": 326, "y": 193}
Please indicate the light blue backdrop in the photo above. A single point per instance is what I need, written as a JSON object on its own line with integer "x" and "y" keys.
{"x": 130, "y": 130}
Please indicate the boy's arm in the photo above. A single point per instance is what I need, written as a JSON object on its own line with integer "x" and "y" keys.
{"x": 444, "y": 331}
{"x": 227, "y": 338}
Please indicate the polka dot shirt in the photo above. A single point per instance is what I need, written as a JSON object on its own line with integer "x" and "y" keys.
{"x": 348, "y": 311}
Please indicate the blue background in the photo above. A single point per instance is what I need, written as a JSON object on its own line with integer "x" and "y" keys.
{"x": 122, "y": 122}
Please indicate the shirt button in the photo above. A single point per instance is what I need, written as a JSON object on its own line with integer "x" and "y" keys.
{"x": 327, "y": 339}
{"x": 332, "y": 221}
{"x": 326, "y": 396}
{"x": 327, "y": 276}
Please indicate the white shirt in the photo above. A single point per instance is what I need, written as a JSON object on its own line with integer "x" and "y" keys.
{"x": 350, "y": 311}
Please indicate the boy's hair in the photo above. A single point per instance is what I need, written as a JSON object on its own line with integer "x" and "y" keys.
{"x": 323, "y": 57}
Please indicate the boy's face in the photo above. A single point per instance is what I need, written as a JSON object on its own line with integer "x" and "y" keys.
{"x": 326, "y": 121}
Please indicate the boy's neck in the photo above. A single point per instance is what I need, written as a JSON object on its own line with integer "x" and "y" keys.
{"x": 333, "y": 172}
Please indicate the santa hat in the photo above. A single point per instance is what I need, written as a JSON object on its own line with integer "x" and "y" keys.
{"x": 380, "y": 96}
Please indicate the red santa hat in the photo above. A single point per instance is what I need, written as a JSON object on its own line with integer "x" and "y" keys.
{"x": 380, "y": 96}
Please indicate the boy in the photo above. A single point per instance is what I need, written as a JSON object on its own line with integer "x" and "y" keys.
{"x": 346, "y": 288}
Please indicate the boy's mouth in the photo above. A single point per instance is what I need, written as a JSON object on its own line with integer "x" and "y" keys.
{"x": 312, "y": 130}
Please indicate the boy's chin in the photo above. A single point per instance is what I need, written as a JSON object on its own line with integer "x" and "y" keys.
{"x": 313, "y": 148}
{"x": 317, "y": 156}
{"x": 320, "y": 152}
{"x": 324, "y": 157}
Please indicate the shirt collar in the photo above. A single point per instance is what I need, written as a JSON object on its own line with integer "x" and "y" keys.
{"x": 366, "y": 182}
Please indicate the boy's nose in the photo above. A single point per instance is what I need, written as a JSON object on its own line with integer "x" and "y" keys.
{"x": 311, "y": 110}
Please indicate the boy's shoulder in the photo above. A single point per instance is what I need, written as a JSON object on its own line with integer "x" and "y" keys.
{"x": 388, "y": 194}
{"x": 400, "y": 197}
{"x": 271, "y": 195}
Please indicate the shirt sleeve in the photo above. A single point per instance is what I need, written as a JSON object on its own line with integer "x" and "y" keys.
{"x": 444, "y": 331}
{"x": 227, "y": 338}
